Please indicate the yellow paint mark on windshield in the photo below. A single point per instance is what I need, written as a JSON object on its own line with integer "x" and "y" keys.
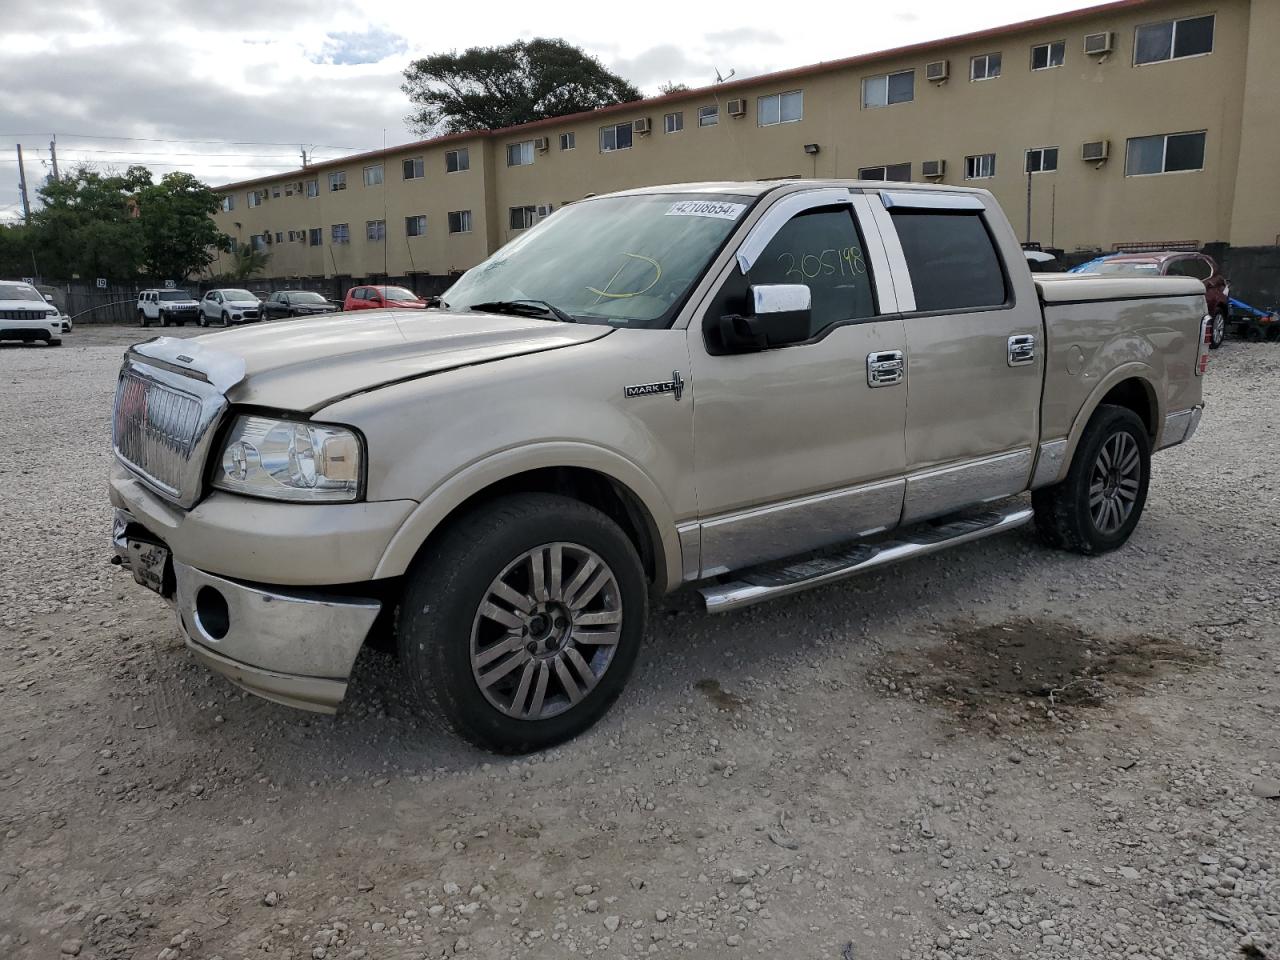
{"x": 657, "y": 275}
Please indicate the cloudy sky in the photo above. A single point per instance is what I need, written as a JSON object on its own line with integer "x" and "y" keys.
{"x": 230, "y": 89}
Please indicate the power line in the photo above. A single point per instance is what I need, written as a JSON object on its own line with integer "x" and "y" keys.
{"x": 233, "y": 143}
{"x": 133, "y": 153}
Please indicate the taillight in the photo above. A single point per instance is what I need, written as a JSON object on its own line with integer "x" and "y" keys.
{"x": 1206, "y": 341}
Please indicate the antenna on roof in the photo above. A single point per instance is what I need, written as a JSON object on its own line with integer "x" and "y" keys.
{"x": 720, "y": 79}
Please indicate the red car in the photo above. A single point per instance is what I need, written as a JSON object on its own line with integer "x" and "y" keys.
{"x": 1217, "y": 290}
{"x": 383, "y": 298}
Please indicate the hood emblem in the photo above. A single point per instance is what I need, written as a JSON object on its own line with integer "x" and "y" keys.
{"x": 185, "y": 359}
{"x": 674, "y": 385}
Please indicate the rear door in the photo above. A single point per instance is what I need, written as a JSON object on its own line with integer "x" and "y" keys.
{"x": 974, "y": 343}
{"x": 793, "y": 448}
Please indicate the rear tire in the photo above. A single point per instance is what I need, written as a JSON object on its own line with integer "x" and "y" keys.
{"x": 1218, "y": 331}
{"x": 578, "y": 622}
{"x": 1096, "y": 508}
{"x": 1254, "y": 333}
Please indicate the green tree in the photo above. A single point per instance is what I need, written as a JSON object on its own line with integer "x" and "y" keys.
{"x": 246, "y": 263}
{"x": 179, "y": 236}
{"x": 86, "y": 226}
{"x": 484, "y": 88}
{"x": 15, "y": 251}
{"x": 671, "y": 87}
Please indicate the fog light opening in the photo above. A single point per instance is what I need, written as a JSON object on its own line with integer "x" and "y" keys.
{"x": 212, "y": 614}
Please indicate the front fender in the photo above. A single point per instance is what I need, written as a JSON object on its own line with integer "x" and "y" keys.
{"x": 455, "y": 490}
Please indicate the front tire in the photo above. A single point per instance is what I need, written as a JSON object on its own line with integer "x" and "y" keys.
{"x": 55, "y": 342}
{"x": 226, "y": 319}
{"x": 1218, "y": 331}
{"x": 142, "y": 319}
{"x": 520, "y": 625}
{"x": 1096, "y": 508}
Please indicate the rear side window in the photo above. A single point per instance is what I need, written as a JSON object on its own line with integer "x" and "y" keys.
{"x": 952, "y": 260}
{"x": 1190, "y": 267}
{"x": 822, "y": 250}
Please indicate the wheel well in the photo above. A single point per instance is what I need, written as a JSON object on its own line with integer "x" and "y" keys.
{"x": 1136, "y": 395}
{"x": 587, "y": 486}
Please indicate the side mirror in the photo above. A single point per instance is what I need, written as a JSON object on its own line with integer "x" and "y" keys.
{"x": 780, "y": 314}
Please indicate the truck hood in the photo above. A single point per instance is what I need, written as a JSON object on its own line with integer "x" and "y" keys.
{"x": 307, "y": 364}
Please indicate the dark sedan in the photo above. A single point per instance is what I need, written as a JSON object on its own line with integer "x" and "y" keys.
{"x": 296, "y": 303}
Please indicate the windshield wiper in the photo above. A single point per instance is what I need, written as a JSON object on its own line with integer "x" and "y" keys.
{"x": 524, "y": 308}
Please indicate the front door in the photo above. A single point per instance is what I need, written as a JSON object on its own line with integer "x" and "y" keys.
{"x": 793, "y": 448}
{"x": 974, "y": 333}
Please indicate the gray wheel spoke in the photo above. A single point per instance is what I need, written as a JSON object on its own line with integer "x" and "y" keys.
{"x": 539, "y": 691}
{"x": 555, "y": 577}
{"x": 600, "y": 619}
{"x": 568, "y": 682}
{"x": 490, "y": 654}
{"x": 498, "y": 615}
{"x": 538, "y": 575}
{"x": 504, "y": 668}
{"x": 586, "y": 570}
{"x": 580, "y": 599}
{"x": 520, "y": 601}
{"x": 1128, "y": 496}
{"x": 1095, "y": 494}
{"x": 584, "y": 671}
{"x": 522, "y": 691}
{"x": 596, "y": 638}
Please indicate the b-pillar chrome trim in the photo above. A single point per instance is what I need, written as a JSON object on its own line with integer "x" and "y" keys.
{"x": 1049, "y": 463}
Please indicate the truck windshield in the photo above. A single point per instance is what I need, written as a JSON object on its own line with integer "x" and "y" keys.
{"x": 174, "y": 295}
{"x": 626, "y": 261}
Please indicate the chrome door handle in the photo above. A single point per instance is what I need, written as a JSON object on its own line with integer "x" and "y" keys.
{"x": 885, "y": 368}
{"x": 1022, "y": 349}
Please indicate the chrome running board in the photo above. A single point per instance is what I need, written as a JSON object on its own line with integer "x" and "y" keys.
{"x": 766, "y": 583}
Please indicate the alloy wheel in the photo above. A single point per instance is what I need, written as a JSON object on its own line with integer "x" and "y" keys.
{"x": 1114, "y": 482}
{"x": 546, "y": 631}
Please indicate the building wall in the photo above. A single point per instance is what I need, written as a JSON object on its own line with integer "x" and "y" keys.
{"x": 1080, "y": 205}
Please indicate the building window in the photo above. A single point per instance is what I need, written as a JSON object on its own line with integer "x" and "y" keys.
{"x": 709, "y": 116}
{"x": 279, "y": 236}
{"x": 234, "y": 245}
{"x": 228, "y": 203}
{"x": 896, "y": 172}
{"x": 1045, "y": 56}
{"x": 616, "y": 137}
{"x": 1042, "y": 159}
{"x": 275, "y": 191}
{"x": 460, "y": 221}
{"x": 985, "y": 67}
{"x": 1173, "y": 40}
{"x": 568, "y": 141}
{"x": 338, "y": 181}
{"x": 523, "y": 217}
{"x": 375, "y": 229}
{"x": 1166, "y": 153}
{"x": 315, "y": 236}
{"x": 980, "y": 167}
{"x": 780, "y": 108}
{"x": 373, "y": 175}
{"x": 415, "y": 226}
{"x": 313, "y": 188}
{"x": 457, "y": 160}
{"x": 520, "y": 154}
{"x": 254, "y": 198}
{"x": 258, "y": 242}
{"x": 413, "y": 168}
{"x": 340, "y": 233}
{"x": 673, "y": 122}
{"x": 889, "y": 88}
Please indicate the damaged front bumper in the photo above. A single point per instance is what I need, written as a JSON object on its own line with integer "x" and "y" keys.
{"x": 288, "y": 644}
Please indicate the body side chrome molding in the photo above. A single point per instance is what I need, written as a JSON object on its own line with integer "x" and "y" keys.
{"x": 933, "y": 492}
{"x": 1049, "y": 463}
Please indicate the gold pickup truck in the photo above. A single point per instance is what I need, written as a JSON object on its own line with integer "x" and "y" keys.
{"x": 752, "y": 388}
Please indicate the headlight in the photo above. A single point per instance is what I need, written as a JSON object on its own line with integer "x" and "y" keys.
{"x": 290, "y": 460}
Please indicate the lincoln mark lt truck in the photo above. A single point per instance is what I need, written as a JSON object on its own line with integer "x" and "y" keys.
{"x": 752, "y": 388}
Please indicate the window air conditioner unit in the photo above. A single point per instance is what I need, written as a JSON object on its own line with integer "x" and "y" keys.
{"x": 737, "y": 108}
{"x": 937, "y": 71}
{"x": 542, "y": 144}
{"x": 641, "y": 125}
{"x": 933, "y": 169}
{"x": 1096, "y": 151}
{"x": 1098, "y": 44}
{"x": 544, "y": 209}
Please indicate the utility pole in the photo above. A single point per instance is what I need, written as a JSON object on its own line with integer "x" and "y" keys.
{"x": 1028, "y": 237}
{"x": 22, "y": 186}
{"x": 303, "y": 151}
{"x": 53, "y": 155}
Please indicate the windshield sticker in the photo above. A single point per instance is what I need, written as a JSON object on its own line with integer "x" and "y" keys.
{"x": 720, "y": 209}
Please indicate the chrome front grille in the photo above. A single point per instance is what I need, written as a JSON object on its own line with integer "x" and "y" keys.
{"x": 161, "y": 428}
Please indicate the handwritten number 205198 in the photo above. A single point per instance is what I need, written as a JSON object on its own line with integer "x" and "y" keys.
{"x": 847, "y": 262}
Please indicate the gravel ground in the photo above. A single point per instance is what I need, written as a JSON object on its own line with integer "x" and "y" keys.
{"x": 999, "y": 751}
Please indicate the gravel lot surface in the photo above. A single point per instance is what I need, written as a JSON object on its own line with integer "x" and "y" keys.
{"x": 998, "y": 751}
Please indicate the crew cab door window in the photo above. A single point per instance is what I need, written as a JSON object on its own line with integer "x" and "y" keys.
{"x": 951, "y": 259}
{"x": 822, "y": 250}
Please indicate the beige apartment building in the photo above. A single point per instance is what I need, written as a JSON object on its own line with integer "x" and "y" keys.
{"x": 1138, "y": 121}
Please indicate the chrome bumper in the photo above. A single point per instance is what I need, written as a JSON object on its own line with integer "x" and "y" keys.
{"x": 286, "y": 644}
{"x": 1179, "y": 427}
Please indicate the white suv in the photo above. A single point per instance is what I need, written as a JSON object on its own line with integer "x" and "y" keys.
{"x": 166, "y": 307}
{"x": 26, "y": 315}
{"x": 228, "y": 306}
